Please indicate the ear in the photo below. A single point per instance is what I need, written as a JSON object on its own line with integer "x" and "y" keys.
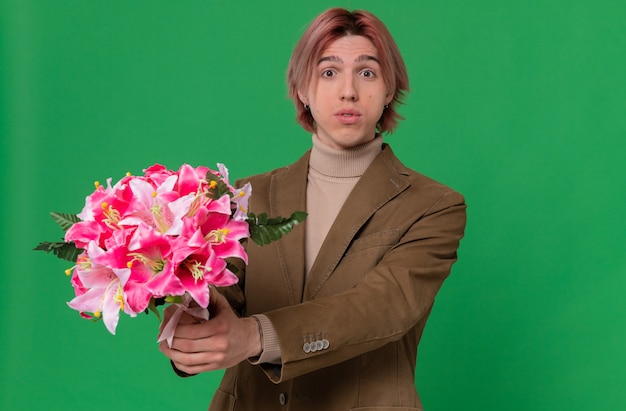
{"x": 303, "y": 98}
{"x": 388, "y": 98}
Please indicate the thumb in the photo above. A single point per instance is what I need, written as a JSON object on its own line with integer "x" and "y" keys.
{"x": 217, "y": 303}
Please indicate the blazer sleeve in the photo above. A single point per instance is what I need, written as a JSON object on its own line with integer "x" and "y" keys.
{"x": 384, "y": 305}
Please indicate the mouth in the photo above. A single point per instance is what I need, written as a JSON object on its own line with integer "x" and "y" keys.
{"x": 348, "y": 113}
{"x": 348, "y": 116}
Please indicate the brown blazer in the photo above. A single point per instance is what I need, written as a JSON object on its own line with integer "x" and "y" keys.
{"x": 349, "y": 334}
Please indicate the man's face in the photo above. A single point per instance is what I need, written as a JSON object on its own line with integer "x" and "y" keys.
{"x": 347, "y": 93}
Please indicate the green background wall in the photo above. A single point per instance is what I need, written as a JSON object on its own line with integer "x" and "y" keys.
{"x": 519, "y": 105}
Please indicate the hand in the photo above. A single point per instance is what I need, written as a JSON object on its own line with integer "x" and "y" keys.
{"x": 222, "y": 342}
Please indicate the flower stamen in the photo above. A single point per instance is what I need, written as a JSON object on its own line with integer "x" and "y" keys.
{"x": 159, "y": 218}
{"x": 196, "y": 269}
{"x": 84, "y": 263}
{"x": 119, "y": 296}
{"x": 112, "y": 216}
{"x": 195, "y": 204}
{"x": 155, "y": 265}
{"x": 217, "y": 236}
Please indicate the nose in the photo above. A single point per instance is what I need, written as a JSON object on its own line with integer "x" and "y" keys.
{"x": 349, "y": 90}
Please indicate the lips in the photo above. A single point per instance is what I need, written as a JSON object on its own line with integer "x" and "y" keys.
{"x": 348, "y": 116}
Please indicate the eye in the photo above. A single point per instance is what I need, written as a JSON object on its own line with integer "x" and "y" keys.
{"x": 368, "y": 73}
{"x": 328, "y": 73}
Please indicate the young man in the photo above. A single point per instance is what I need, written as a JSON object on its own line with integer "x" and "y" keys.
{"x": 330, "y": 317}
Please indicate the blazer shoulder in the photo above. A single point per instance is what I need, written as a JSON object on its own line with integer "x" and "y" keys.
{"x": 419, "y": 183}
{"x": 265, "y": 178}
{"x": 422, "y": 183}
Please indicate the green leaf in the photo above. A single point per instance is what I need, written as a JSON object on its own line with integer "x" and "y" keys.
{"x": 64, "y": 220}
{"x": 174, "y": 299}
{"x": 63, "y": 250}
{"x": 220, "y": 189}
{"x": 264, "y": 230}
{"x": 152, "y": 306}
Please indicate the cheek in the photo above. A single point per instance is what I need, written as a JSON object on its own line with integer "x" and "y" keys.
{"x": 376, "y": 98}
{"x": 375, "y": 103}
{"x": 315, "y": 113}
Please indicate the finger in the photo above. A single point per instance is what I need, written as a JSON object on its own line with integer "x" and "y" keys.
{"x": 195, "y": 331}
{"x": 197, "y": 362}
{"x": 186, "y": 318}
{"x": 196, "y": 369}
{"x": 189, "y": 353}
{"x": 169, "y": 311}
{"x": 183, "y": 317}
{"x": 218, "y": 303}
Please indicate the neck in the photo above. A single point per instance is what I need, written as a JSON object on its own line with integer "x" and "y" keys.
{"x": 350, "y": 162}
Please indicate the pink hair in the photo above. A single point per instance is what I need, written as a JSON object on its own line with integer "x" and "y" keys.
{"x": 328, "y": 27}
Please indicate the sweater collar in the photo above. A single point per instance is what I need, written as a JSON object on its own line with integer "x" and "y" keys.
{"x": 350, "y": 162}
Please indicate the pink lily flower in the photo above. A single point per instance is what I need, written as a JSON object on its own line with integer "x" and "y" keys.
{"x": 84, "y": 232}
{"x": 157, "y": 174}
{"x": 197, "y": 267}
{"x": 240, "y": 196}
{"x": 191, "y": 180}
{"x": 223, "y": 233}
{"x": 101, "y": 214}
{"x": 105, "y": 295}
{"x": 117, "y": 256}
{"x": 150, "y": 264}
{"x": 223, "y": 172}
{"x": 160, "y": 208}
{"x": 146, "y": 253}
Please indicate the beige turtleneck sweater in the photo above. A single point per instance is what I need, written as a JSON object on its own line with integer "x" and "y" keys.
{"x": 332, "y": 175}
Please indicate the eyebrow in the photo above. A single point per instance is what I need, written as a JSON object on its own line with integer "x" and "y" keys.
{"x": 360, "y": 59}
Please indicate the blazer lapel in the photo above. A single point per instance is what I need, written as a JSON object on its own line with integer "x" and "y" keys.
{"x": 383, "y": 180}
{"x": 288, "y": 194}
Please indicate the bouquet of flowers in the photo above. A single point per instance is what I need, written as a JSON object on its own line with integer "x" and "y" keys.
{"x": 163, "y": 237}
